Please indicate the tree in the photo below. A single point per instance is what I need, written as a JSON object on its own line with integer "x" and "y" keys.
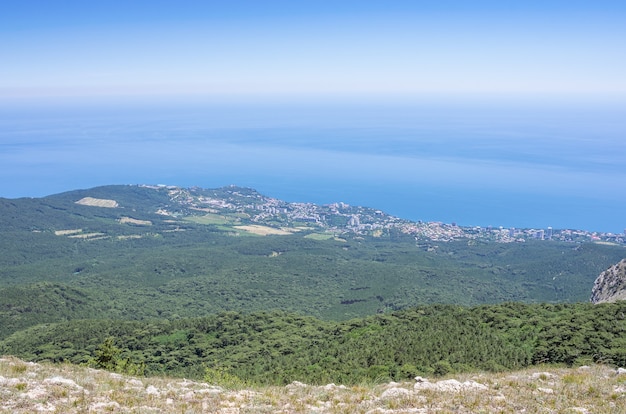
{"x": 108, "y": 357}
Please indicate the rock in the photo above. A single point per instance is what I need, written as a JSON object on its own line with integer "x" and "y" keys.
{"x": 450, "y": 385}
{"x": 542, "y": 375}
{"x": 621, "y": 371}
{"x": 36, "y": 393}
{"x": 105, "y": 405}
{"x": 47, "y": 408}
{"x": 546, "y": 390}
{"x": 135, "y": 383}
{"x": 296, "y": 384}
{"x": 332, "y": 386}
{"x": 62, "y": 381}
{"x": 151, "y": 390}
{"x": 610, "y": 285}
{"x": 395, "y": 393}
{"x": 213, "y": 390}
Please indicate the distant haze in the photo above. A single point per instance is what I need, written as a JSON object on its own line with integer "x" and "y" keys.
{"x": 77, "y": 48}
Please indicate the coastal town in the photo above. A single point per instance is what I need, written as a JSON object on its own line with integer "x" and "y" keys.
{"x": 249, "y": 206}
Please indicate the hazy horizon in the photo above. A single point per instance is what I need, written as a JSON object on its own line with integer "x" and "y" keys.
{"x": 277, "y": 47}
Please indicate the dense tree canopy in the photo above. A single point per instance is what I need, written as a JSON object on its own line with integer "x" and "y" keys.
{"x": 279, "y": 347}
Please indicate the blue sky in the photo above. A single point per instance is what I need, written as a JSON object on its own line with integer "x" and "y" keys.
{"x": 84, "y": 48}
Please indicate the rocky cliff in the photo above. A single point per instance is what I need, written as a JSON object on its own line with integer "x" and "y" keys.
{"x": 610, "y": 286}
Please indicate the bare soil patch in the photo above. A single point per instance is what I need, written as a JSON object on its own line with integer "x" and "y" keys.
{"x": 97, "y": 202}
{"x": 263, "y": 230}
{"x": 67, "y": 232}
{"x": 131, "y": 220}
{"x": 89, "y": 236}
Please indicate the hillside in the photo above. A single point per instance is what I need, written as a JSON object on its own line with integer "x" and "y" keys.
{"x": 27, "y": 387}
{"x": 278, "y": 348}
{"x": 150, "y": 252}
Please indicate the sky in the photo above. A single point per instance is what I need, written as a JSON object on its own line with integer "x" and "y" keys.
{"x": 70, "y": 48}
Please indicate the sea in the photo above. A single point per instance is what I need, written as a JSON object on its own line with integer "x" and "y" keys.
{"x": 510, "y": 162}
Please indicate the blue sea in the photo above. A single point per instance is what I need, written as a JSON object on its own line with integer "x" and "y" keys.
{"x": 500, "y": 162}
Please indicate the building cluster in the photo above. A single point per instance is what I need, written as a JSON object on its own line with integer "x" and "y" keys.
{"x": 341, "y": 217}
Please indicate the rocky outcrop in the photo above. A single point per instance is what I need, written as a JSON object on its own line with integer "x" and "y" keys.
{"x": 449, "y": 385}
{"x": 27, "y": 388}
{"x": 610, "y": 286}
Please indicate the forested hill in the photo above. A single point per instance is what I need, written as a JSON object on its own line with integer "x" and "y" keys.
{"x": 232, "y": 348}
{"x": 138, "y": 252}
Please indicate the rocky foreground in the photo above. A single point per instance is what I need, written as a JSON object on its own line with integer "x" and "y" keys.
{"x": 27, "y": 387}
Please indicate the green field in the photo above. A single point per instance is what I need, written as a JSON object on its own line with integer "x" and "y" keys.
{"x": 216, "y": 219}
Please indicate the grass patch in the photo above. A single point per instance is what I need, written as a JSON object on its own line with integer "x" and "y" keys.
{"x": 210, "y": 218}
{"x": 319, "y": 236}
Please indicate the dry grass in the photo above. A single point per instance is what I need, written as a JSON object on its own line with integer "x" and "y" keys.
{"x": 28, "y": 387}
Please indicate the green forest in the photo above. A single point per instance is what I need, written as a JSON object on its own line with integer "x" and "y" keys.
{"x": 200, "y": 272}
{"x": 188, "y": 293}
{"x": 279, "y": 347}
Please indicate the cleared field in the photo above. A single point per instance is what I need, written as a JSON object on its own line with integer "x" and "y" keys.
{"x": 319, "y": 236}
{"x": 211, "y": 219}
{"x": 323, "y": 236}
{"x": 132, "y": 236}
{"x": 89, "y": 236}
{"x": 130, "y": 220}
{"x": 67, "y": 232}
{"x": 97, "y": 202}
{"x": 263, "y": 230}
